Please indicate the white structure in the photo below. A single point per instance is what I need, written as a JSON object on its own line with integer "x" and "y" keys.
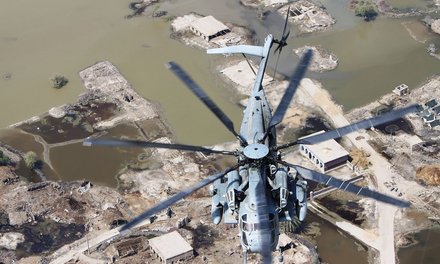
{"x": 171, "y": 248}
{"x": 208, "y": 28}
{"x": 401, "y": 90}
{"x": 325, "y": 155}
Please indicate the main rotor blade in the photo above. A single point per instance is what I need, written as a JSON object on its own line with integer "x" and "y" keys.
{"x": 175, "y": 198}
{"x": 179, "y": 72}
{"x": 346, "y": 186}
{"x": 147, "y": 144}
{"x": 364, "y": 124}
{"x": 290, "y": 91}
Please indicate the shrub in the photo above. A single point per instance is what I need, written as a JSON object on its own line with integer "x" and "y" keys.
{"x": 366, "y": 10}
{"x": 4, "y": 160}
{"x": 30, "y": 159}
{"x": 58, "y": 81}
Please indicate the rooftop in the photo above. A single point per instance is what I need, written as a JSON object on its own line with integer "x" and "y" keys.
{"x": 209, "y": 26}
{"x": 328, "y": 150}
{"x": 170, "y": 245}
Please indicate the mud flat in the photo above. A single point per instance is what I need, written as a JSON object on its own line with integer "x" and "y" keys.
{"x": 322, "y": 60}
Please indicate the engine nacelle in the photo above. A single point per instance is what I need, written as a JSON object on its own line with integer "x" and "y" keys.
{"x": 281, "y": 186}
{"x": 232, "y": 187}
{"x": 216, "y": 213}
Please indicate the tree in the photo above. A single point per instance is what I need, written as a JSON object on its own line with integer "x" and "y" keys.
{"x": 30, "y": 159}
{"x": 4, "y": 160}
{"x": 58, "y": 81}
{"x": 365, "y": 10}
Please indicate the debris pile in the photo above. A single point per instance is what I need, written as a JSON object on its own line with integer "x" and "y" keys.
{"x": 429, "y": 174}
{"x": 308, "y": 16}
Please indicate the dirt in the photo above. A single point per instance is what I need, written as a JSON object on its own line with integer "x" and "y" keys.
{"x": 45, "y": 216}
{"x": 322, "y": 59}
{"x": 429, "y": 174}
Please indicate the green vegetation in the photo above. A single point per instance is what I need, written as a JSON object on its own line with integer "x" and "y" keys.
{"x": 4, "y": 160}
{"x": 31, "y": 160}
{"x": 58, "y": 81}
{"x": 366, "y": 10}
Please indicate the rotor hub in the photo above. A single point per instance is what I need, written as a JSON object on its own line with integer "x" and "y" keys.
{"x": 256, "y": 151}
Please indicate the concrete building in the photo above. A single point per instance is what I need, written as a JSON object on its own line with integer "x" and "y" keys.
{"x": 171, "y": 248}
{"x": 401, "y": 90}
{"x": 208, "y": 28}
{"x": 326, "y": 155}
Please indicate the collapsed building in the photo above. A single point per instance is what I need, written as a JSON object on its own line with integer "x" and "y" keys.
{"x": 325, "y": 155}
{"x": 208, "y": 28}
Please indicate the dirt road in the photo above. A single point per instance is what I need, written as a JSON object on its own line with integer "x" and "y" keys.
{"x": 381, "y": 168}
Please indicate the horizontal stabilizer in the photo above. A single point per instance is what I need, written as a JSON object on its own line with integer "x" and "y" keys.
{"x": 245, "y": 49}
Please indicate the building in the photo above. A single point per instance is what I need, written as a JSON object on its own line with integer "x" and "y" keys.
{"x": 325, "y": 155}
{"x": 171, "y": 248}
{"x": 401, "y": 90}
{"x": 431, "y": 103}
{"x": 434, "y": 123}
{"x": 130, "y": 247}
{"x": 208, "y": 28}
{"x": 436, "y": 110}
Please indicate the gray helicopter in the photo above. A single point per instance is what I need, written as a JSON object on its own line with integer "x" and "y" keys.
{"x": 261, "y": 190}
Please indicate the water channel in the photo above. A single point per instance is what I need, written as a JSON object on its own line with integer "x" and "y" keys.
{"x": 41, "y": 38}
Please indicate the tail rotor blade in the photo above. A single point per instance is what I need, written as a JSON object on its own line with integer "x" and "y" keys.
{"x": 179, "y": 72}
{"x": 276, "y": 64}
{"x": 346, "y": 186}
{"x": 286, "y": 21}
{"x": 147, "y": 144}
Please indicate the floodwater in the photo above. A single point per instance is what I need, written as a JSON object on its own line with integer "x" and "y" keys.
{"x": 408, "y": 4}
{"x": 99, "y": 164}
{"x": 425, "y": 251}
{"x": 336, "y": 247}
{"x": 41, "y": 38}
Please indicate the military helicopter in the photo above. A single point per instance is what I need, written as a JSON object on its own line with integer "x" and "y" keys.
{"x": 261, "y": 190}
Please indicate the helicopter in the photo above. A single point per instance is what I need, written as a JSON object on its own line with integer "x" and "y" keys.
{"x": 261, "y": 190}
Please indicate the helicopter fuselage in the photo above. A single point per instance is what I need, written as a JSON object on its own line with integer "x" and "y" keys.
{"x": 260, "y": 194}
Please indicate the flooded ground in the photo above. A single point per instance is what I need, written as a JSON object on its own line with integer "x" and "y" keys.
{"x": 41, "y": 38}
{"x": 426, "y": 249}
{"x": 409, "y": 4}
{"x": 335, "y": 247}
{"x": 34, "y": 45}
{"x": 372, "y": 61}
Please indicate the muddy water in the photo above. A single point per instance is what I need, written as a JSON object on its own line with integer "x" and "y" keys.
{"x": 335, "y": 247}
{"x": 408, "y": 4}
{"x": 373, "y": 61}
{"x": 425, "y": 251}
{"x": 40, "y": 39}
{"x": 100, "y": 164}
